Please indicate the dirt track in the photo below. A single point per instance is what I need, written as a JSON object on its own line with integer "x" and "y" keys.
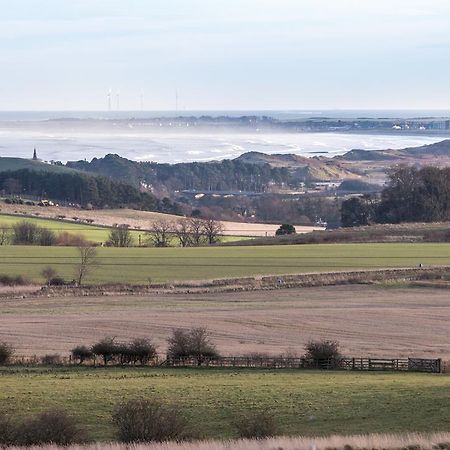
{"x": 365, "y": 320}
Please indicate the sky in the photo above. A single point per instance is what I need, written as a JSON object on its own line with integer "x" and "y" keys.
{"x": 224, "y": 54}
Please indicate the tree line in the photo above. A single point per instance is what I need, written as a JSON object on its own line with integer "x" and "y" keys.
{"x": 81, "y": 188}
{"x": 411, "y": 195}
{"x": 226, "y": 175}
{"x": 186, "y": 232}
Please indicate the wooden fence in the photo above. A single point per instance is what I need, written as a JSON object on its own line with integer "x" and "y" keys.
{"x": 262, "y": 362}
{"x": 358, "y": 364}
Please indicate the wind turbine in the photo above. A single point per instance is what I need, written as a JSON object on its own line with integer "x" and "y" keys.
{"x": 109, "y": 99}
{"x": 118, "y": 100}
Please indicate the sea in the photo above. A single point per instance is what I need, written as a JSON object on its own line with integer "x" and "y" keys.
{"x": 57, "y": 135}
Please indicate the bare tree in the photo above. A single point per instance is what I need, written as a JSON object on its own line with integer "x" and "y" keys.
{"x": 120, "y": 236}
{"x": 160, "y": 233}
{"x": 87, "y": 261}
{"x": 196, "y": 231}
{"x": 183, "y": 232}
{"x": 212, "y": 230}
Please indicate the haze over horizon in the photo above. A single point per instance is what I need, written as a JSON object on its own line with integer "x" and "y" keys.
{"x": 225, "y": 55}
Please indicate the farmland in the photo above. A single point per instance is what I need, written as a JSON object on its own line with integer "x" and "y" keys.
{"x": 92, "y": 233}
{"x": 306, "y": 403}
{"x": 366, "y": 320}
{"x": 142, "y": 219}
{"x": 141, "y": 265}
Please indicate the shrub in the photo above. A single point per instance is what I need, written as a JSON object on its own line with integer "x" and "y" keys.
{"x": 57, "y": 281}
{"x": 120, "y": 236}
{"x": 7, "y": 431}
{"x": 25, "y": 233}
{"x": 322, "y": 353}
{"x": 48, "y": 273}
{"x": 11, "y": 280}
{"x": 81, "y": 353}
{"x": 141, "y": 350}
{"x": 66, "y": 239}
{"x": 6, "y": 353}
{"x": 147, "y": 420}
{"x": 46, "y": 237}
{"x": 285, "y": 228}
{"x": 51, "y": 359}
{"x": 256, "y": 425}
{"x": 191, "y": 343}
{"x": 106, "y": 348}
{"x": 53, "y": 426}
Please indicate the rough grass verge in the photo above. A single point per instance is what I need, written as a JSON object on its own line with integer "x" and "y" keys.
{"x": 358, "y": 442}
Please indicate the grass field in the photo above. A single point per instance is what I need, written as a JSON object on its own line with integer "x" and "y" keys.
{"x": 139, "y": 265}
{"x": 365, "y": 320}
{"x": 305, "y": 403}
{"x": 90, "y": 232}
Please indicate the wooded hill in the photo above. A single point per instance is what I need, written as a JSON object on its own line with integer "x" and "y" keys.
{"x": 259, "y": 172}
{"x": 71, "y": 186}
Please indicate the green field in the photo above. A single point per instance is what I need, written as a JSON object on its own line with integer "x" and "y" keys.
{"x": 90, "y": 232}
{"x": 307, "y": 403}
{"x": 139, "y": 265}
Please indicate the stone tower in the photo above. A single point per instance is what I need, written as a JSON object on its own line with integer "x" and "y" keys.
{"x": 35, "y": 158}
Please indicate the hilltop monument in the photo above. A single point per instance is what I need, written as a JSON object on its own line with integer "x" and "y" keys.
{"x": 35, "y": 158}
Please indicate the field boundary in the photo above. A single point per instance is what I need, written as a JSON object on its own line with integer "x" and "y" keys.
{"x": 358, "y": 364}
{"x": 245, "y": 284}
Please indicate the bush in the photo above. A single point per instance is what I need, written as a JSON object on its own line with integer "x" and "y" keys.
{"x": 25, "y": 233}
{"x": 46, "y": 237}
{"x": 53, "y": 426}
{"x": 57, "y": 281}
{"x": 51, "y": 360}
{"x": 11, "y": 280}
{"x": 6, "y": 353}
{"x": 48, "y": 273}
{"x": 141, "y": 350}
{"x": 285, "y": 229}
{"x": 106, "y": 348}
{"x": 322, "y": 353}
{"x": 147, "y": 420}
{"x": 7, "y": 431}
{"x": 81, "y": 353}
{"x": 256, "y": 425}
{"x": 193, "y": 343}
{"x": 66, "y": 239}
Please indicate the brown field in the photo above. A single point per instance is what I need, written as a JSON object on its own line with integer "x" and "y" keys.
{"x": 373, "y": 441}
{"x": 142, "y": 219}
{"x": 366, "y": 320}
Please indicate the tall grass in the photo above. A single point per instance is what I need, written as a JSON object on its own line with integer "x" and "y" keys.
{"x": 372, "y": 441}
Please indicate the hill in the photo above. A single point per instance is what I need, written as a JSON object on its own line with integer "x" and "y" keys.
{"x": 302, "y": 169}
{"x": 439, "y": 149}
{"x": 13, "y": 164}
{"x": 259, "y": 172}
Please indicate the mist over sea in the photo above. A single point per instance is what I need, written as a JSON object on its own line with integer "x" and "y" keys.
{"x": 20, "y": 132}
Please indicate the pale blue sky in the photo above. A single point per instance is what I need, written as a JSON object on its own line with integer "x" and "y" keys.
{"x": 225, "y": 54}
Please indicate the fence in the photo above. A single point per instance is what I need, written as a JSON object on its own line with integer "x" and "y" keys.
{"x": 263, "y": 362}
{"x": 358, "y": 364}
